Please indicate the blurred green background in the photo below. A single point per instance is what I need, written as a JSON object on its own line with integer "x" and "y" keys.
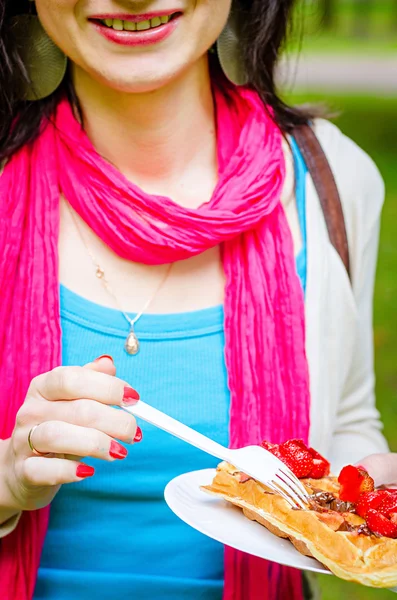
{"x": 340, "y": 26}
{"x": 335, "y": 31}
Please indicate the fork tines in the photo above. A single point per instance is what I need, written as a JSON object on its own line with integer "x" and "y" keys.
{"x": 290, "y": 488}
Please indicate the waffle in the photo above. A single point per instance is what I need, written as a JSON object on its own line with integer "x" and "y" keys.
{"x": 329, "y": 531}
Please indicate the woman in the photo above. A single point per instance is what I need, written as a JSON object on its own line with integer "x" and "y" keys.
{"x": 129, "y": 109}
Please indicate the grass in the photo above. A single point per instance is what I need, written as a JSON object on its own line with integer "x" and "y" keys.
{"x": 352, "y": 31}
{"x": 372, "y": 123}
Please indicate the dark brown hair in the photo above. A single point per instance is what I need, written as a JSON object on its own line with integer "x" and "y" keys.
{"x": 265, "y": 25}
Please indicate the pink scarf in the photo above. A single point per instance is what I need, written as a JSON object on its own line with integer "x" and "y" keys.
{"x": 264, "y": 323}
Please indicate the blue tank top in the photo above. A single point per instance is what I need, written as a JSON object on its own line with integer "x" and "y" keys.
{"x": 113, "y": 536}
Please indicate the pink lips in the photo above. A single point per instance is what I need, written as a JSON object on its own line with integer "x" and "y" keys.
{"x": 136, "y": 38}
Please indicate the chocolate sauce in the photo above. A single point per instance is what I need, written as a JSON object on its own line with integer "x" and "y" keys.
{"x": 360, "y": 529}
{"x": 322, "y": 497}
{"x": 342, "y": 507}
{"x": 364, "y": 530}
{"x": 322, "y": 501}
{"x": 346, "y": 526}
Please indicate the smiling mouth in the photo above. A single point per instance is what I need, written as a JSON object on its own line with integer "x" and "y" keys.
{"x": 136, "y": 25}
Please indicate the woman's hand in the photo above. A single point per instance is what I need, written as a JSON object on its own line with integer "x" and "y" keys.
{"x": 72, "y": 408}
{"x": 382, "y": 468}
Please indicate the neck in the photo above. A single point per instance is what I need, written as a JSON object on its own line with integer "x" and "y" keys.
{"x": 151, "y": 136}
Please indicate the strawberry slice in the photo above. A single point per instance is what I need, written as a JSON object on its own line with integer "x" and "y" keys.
{"x": 370, "y": 500}
{"x": 353, "y": 482}
{"x": 321, "y": 466}
{"x": 381, "y": 525}
{"x": 388, "y": 506}
{"x": 297, "y": 457}
{"x": 273, "y": 448}
{"x": 297, "y": 442}
{"x": 268, "y": 446}
{"x": 303, "y": 461}
{"x": 393, "y": 518}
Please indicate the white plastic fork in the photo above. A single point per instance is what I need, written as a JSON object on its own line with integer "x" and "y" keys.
{"x": 254, "y": 461}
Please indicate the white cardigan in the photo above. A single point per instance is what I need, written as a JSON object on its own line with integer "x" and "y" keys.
{"x": 345, "y": 424}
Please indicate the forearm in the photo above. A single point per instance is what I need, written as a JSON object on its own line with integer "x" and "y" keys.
{"x": 8, "y": 505}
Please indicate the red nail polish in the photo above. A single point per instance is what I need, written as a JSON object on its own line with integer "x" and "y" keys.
{"x": 117, "y": 450}
{"x": 104, "y": 356}
{"x": 84, "y": 471}
{"x": 130, "y": 397}
{"x": 138, "y": 435}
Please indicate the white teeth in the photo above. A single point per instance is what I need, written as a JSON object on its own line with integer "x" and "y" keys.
{"x": 141, "y": 25}
{"x": 120, "y": 25}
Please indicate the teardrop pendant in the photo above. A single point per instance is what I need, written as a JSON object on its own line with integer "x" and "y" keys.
{"x": 132, "y": 343}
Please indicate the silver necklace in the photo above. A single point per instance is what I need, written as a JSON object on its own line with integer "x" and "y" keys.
{"x": 132, "y": 344}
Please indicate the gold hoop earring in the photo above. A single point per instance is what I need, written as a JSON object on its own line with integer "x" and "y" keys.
{"x": 229, "y": 50}
{"x": 45, "y": 64}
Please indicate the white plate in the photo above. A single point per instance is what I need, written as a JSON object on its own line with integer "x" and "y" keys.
{"x": 226, "y": 523}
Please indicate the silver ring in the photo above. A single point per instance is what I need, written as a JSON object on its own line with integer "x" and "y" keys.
{"x": 31, "y": 446}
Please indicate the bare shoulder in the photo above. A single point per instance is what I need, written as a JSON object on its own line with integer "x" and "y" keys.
{"x": 359, "y": 181}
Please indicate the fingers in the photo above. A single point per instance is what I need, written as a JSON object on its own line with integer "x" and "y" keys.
{"x": 103, "y": 364}
{"x": 70, "y": 414}
{"x": 115, "y": 423}
{"x": 49, "y": 472}
{"x": 89, "y": 414}
{"x": 57, "y": 437}
{"x": 71, "y": 383}
{"x": 382, "y": 468}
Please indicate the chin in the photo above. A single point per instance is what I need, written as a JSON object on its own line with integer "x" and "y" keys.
{"x": 135, "y": 81}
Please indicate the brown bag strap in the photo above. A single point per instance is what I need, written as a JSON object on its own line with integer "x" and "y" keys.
{"x": 326, "y": 188}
